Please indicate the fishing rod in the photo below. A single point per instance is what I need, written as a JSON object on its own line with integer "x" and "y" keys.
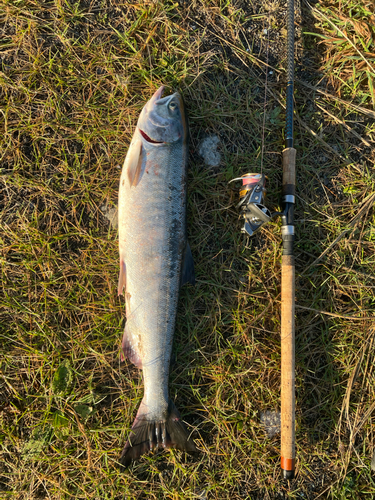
{"x": 288, "y": 270}
{"x": 255, "y": 214}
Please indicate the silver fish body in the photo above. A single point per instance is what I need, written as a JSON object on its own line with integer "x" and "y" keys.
{"x": 154, "y": 260}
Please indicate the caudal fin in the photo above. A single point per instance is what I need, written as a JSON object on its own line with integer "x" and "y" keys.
{"x": 147, "y": 435}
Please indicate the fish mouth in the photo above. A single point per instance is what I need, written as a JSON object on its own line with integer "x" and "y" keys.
{"x": 158, "y": 94}
{"x": 154, "y": 100}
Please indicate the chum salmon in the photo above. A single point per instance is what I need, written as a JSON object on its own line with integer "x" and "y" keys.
{"x": 155, "y": 260}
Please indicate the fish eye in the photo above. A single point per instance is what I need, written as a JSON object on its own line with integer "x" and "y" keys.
{"x": 172, "y": 106}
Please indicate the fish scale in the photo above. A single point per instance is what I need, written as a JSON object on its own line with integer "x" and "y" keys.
{"x": 152, "y": 243}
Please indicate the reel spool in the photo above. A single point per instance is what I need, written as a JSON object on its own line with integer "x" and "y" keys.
{"x": 252, "y": 195}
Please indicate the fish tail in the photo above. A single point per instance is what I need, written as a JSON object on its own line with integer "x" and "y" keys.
{"x": 148, "y": 435}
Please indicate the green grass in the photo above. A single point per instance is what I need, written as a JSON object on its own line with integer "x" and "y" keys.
{"x": 74, "y": 77}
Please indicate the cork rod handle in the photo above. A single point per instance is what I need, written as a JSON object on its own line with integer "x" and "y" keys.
{"x": 287, "y": 367}
{"x": 287, "y": 319}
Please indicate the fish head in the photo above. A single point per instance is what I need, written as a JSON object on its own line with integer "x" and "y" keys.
{"x": 163, "y": 119}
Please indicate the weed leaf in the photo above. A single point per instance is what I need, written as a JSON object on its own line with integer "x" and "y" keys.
{"x": 84, "y": 411}
{"x": 63, "y": 379}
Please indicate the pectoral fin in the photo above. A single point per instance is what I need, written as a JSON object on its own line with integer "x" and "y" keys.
{"x": 133, "y": 162}
{"x": 187, "y": 274}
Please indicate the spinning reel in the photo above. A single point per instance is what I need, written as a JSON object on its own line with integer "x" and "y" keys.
{"x": 253, "y": 210}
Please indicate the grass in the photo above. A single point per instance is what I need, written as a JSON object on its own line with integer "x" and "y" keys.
{"x": 349, "y": 59}
{"x": 74, "y": 78}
